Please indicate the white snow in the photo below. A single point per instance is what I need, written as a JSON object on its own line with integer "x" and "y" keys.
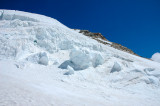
{"x": 70, "y": 70}
{"x": 105, "y": 41}
{"x": 84, "y": 59}
{"x": 40, "y": 58}
{"x": 116, "y": 67}
{"x": 156, "y": 57}
{"x": 44, "y": 63}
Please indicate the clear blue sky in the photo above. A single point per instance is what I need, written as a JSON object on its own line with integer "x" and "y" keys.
{"x": 132, "y": 23}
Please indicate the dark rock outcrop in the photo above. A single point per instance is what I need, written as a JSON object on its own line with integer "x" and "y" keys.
{"x": 120, "y": 47}
{"x": 93, "y": 35}
{"x": 100, "y": 38}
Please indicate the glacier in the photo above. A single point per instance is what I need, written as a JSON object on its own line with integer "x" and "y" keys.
{"x": 45, "y": 63}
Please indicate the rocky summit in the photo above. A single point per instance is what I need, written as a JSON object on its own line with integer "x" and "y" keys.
{"x": 100, "y": 38}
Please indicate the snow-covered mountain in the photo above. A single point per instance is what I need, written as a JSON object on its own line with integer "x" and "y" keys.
{"x": 45, "y": 63}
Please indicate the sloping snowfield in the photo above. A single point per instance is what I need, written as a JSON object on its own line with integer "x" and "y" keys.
{"x": 44, "y": 63}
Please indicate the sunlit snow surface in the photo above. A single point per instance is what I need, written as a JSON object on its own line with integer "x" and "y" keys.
{"x": 156, "y": 57}
{"x": 44, "y": 63}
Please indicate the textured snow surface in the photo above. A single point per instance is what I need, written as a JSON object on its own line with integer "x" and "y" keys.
{"x": 44, "y": 63}
{"x": 81, "y": 60}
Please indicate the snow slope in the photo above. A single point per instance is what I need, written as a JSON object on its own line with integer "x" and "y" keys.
{"x": 45, "y": 63}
